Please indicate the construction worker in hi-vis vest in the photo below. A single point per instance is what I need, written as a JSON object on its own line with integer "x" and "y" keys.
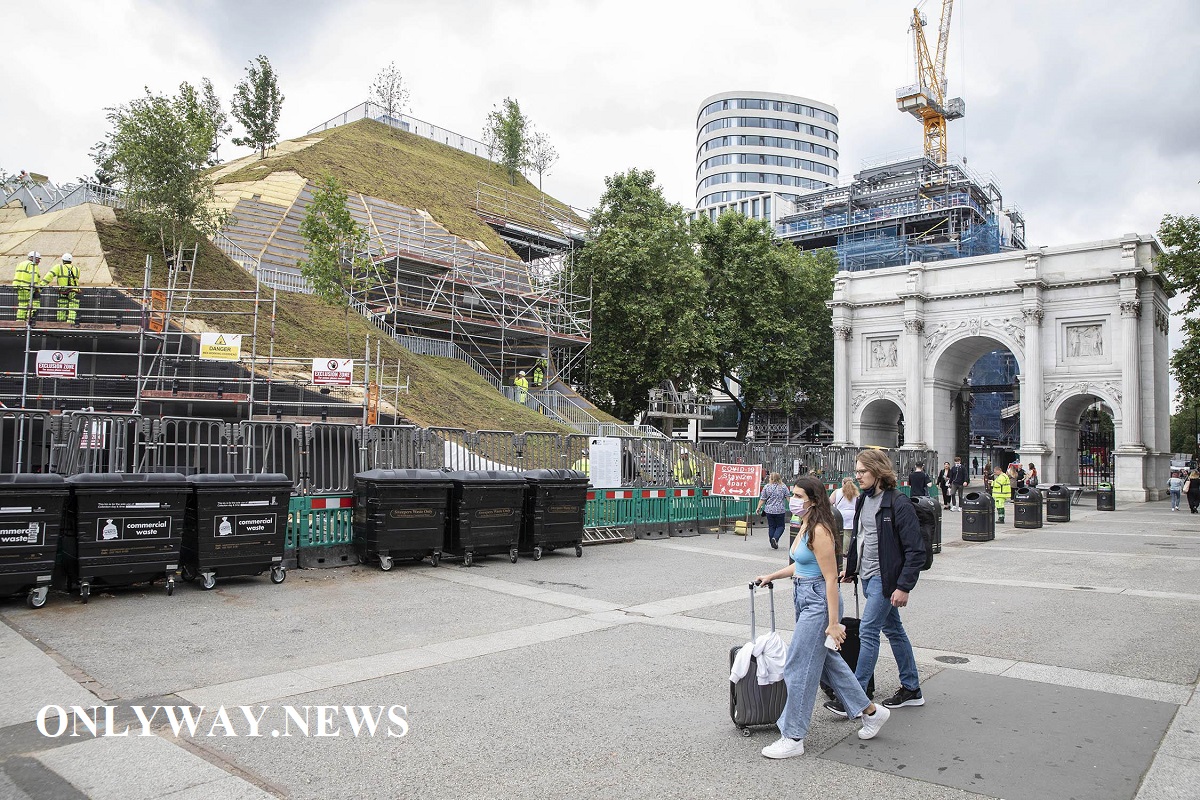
{"x": 28, "y": 284}
{"x": 65, "y": 277}
{"x": 522, "y": 384}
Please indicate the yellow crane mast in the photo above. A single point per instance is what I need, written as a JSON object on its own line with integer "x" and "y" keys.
{"x": 926, "y": 100}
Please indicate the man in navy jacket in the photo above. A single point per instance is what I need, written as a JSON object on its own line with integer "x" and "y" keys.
{"x": 886, "y": 555}
{"x": 959, "y": 478}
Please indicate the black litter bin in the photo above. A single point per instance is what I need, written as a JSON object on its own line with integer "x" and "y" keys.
{"x": 401, "y": 513}
{"x": 555, "y": 503}
{"x": 1106, "y": 497}
{"x": 929, "y": 513}
{"x": 31, "y": 514}
{"x": 122, "y": 529}
{"x": 1058, "y": 504}
{"x": 236, "y": 525}
{"x": 1027, "y": 508}
{"x": 978, "y": 517}
{"x": 485, "y": 514}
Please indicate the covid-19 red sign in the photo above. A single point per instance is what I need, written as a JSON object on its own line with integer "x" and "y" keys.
{"x": 737, "y": 480}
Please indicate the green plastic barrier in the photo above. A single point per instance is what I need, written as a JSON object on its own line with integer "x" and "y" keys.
{"x": 320, "y": 520}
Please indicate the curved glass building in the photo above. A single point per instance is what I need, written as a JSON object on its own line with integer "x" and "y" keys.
{"x": 752, "y": 145}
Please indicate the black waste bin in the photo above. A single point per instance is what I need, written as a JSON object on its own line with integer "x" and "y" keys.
{"x": 401, "y": 513}
{"x": 1027, "y": 508}
{"x": 1058, "y": 504}
{"x": 555, "y": 503}
{"x": 122, "y": 529}
{"x": 31, "y": 514}
{"x": 978, "y": 517}
{"x": 485, "y": 514}
{"x": 929, "y": 514}
{"x": 236, "y": 525}
{"x": 1106, "y": 497}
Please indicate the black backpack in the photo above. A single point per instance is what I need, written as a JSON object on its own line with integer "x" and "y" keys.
{"x": 929, "y": 514}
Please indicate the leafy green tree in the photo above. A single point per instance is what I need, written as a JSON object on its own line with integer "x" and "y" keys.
{"x": 156, "y": 151}
{"x": 257, "y": 102}
{"x": 1181, "y": 265}
{"x": 648, "y": 294}
{"x": 389, "y": 91}
{"x": 1185, "y": 424}
{"x": 336, "y": 246}
{"x": 507, "y": 136}
{"x": 768, "y": 327}
{"x": 220, "y": 120}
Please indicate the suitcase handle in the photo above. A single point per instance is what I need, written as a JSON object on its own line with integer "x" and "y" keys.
{"x": 771, "y": 592}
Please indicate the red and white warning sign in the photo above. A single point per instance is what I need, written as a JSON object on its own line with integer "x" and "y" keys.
{"x": 333, "y": 371}
{"x": 57, "y": 363}
{"x": 737, "y": 480}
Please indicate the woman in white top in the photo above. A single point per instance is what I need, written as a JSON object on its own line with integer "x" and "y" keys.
{"x": 844, "y": 500}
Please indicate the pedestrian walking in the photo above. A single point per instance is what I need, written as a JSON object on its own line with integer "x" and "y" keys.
{"x": 773, "y": 501}
{"x": 813, "y": 654}
{"x": 1175, "y": 488}
{"x": 943, "y": 482}
{"x": 918, "y": 481}
{"x": 1001, "y": 492}
{"x": 974, "y": 465}
{"x": 27, "y": 282}
{"x": 958, "y": 481}
{"x": 843, "y": 500}
{"x": 886, "y": 555}
{"x": 1192, "y": 489}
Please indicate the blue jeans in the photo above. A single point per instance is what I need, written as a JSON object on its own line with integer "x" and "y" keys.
{"x": 775, "y": 524}
{"x": 1175, "y": 495}
{"x": 809, "y": 662}
{"x": 879, "y": 615}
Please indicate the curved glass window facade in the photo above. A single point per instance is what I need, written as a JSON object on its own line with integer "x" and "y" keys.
{"x": 763, "y": 159}
{"x": 765, "y": 178}
{"x": 755, "y": 104}
{"x": 769, "y": 122}
{"x": 729, "y": 197}
{"x": 769, "y": 141}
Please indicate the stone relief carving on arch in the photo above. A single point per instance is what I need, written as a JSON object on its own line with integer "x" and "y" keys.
{"x": 865, "y": 396}
{"x": 1104, "y": 389}
{"x": 1011, "y": 326}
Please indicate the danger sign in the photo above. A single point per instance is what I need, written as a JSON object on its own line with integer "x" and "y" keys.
{"x": 736, "y": 480}
{"x": 220, "y": 346}
{"x": 333, "y": 371}
{"x": 57, "y": 363}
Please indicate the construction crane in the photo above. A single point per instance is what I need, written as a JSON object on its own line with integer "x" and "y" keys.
{"x": 926, "y": 100}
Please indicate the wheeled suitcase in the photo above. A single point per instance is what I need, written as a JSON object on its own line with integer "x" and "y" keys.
{"x": 750, "y": 704}
{"x": 850, "y": 648}
{"x": 929, "y": 514}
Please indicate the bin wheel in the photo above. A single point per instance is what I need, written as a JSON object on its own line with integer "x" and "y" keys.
{"x": 745, "y": 732}
{"x": 171, "y": 585}
{"x": 436, "y": 558}
{"x": 385, "y": 563}
{"x": 189, "y": 573}
{"x": 537, "y": 554}
{"x": 579, "y": 551}
{"x": 512, "y": 555}
{"x": 278, "y": 574}
{"x": 85, "y": 591}
{"x": 37, "y": 597}
{"x": 207, "y": 581}
{"x": 468, "y": 558}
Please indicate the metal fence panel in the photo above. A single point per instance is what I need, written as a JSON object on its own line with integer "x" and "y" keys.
{"x": 27, "y": 441}
{"x": 190, "y": 446}
{"x": 274, "y": 447}
{"x": 396, "y": 447}
{"x": 103, "y": 442}
{"x": 334, "y": 455}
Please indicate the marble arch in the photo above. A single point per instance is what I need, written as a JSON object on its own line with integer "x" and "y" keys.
{"x": 1083, "y": 321}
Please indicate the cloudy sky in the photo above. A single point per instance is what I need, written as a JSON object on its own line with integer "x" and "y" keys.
{"x": 1086, "y": 112}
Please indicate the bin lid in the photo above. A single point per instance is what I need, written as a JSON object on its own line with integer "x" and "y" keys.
{"x": 555, "y": 476}
{"x": 116, "y": 480}
{"x": 23, "y": 480}
{"x": 1028, "y": 491}
{"x": 404, "y": 476}
{"x": 492, "y": 476}
{"x": 229, "y": 480}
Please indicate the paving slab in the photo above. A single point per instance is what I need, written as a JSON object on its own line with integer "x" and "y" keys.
{"x": 1017, "y": 740}
{"x": 30, "y": 679}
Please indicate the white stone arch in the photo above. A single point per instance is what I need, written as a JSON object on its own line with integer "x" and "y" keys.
{"x": 1067, "y": 405}
{"x": 1079, "y": 320}
{"x": 877, "y": 419}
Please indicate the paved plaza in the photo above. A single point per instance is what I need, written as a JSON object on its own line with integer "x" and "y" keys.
{"x": 1056, "y": 663}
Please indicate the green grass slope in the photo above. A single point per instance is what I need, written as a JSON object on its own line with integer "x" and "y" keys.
{"x": 378, "y": 160}
{"x": 445, "y": 392}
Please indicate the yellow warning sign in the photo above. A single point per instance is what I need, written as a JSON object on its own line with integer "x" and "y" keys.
{"x": 220, "y": 346}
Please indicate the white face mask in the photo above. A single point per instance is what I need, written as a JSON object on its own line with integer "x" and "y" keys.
{"x": 797, "y": 504}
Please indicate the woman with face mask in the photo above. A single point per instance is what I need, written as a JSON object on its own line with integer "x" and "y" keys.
{"x": 796, "y": 507}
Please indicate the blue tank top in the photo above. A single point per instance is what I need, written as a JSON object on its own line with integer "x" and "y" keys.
{"x": 806, "y": 560}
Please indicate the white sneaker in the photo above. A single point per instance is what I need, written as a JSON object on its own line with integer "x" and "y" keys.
{"x": 871, "y": 723}
{"x": 785, "y": 748}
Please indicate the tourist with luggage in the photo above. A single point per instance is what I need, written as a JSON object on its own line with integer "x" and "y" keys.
{"x": 773, "y": 502}
{"x": 817, "y": 634}
{"x": 886, "y": 555}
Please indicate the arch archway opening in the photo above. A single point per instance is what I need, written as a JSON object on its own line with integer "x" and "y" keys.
{"x": 1085, "y": 432}
{"x": 881, "y": 425}
{"x": 976, "y": 395}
